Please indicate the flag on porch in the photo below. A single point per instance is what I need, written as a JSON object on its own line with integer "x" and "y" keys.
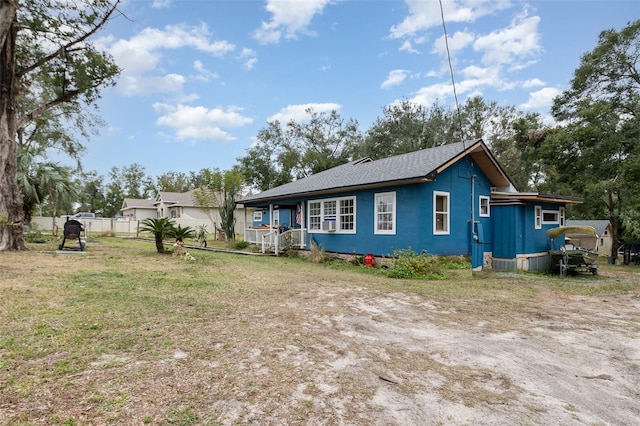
{"x": 299, "y": 214}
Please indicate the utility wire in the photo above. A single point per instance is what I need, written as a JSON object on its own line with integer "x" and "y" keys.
{"x": 453, "y": 82}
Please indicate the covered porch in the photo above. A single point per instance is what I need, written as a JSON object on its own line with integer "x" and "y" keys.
{"x": 277, "y": 227}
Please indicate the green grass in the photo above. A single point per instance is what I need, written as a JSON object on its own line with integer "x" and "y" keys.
{"x": 92, "y": 338}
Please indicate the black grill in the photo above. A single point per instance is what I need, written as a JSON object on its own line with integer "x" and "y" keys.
{"x": 72, "y": 231}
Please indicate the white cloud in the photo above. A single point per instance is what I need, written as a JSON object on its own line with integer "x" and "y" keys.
{"x": 511, "y": 45}
{"x": 198, "y": 122}
{"x": 299, "y": 112}
{"x": 142, "y": 54}
{"x": 203, "y": 73}
{"x": 424, "y": 15}
{"x": 394, "y": 78}
{"x": 541, "y": 99}
{"x": 457, "y": 42}
{"x": 249, "y": 58}
{"x": 534, "y": 82}
{"x": 161, "y": 4}
{"x": 407, "y": 46}
{"x": 289, "y": 18}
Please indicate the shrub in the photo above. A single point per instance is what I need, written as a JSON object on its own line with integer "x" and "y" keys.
{"x": 241, "y": 245}
{"x": 409, "y": 264}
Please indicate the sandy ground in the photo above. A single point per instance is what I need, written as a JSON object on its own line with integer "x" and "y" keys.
{"x": 345, "y": 355}
{"x": 575, "y": 361}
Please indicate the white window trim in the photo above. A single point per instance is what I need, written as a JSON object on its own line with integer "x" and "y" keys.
{"x": 437, "y": 194}
{"x": 335, "y": 217}
{"x": 391, "y": 231}
{"x": 488, "y": 213}
{"x": 538, "y": 217}
{"x": 562, "y": 216}
{"x": 556, "y": 213}
{"x": 276, "y": 217}
{"x": 257, "y": 216}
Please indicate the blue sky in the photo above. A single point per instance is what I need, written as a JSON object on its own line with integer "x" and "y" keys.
{"x": 201, "y": 78}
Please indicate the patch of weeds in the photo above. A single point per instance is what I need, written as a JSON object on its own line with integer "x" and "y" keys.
{"x": 318, "y": 254}
{"x": 409, "y": 264}
{"x": 240, "y": 245}
{"x": 182, "y": 417}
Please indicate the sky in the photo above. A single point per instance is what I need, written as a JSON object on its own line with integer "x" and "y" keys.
{"x": 200, "y": 78}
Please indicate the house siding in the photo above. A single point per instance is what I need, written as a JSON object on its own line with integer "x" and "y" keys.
{"x": 414, "y": 226}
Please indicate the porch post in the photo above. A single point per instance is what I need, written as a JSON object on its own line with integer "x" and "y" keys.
{"x": 303, "y": 225}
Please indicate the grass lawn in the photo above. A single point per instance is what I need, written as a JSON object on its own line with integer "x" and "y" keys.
{"x": 124, "y": 335}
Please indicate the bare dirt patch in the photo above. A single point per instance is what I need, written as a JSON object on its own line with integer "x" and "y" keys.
{"x": 276, "y": 341}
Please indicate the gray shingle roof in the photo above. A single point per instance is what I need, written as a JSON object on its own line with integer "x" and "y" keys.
{"x": 400, "y": 168}
{"x": 599, "y": 225}
{"x": 137, "y": 203}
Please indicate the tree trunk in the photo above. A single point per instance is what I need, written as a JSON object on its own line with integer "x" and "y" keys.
{"x": 159, "y": 242}
{"x": 11, "y": 214}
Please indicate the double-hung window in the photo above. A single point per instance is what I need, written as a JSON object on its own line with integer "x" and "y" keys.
{"x": 385, "y": 213}
{"x": 484, "y": 206}
{"x": 441, "y": 213}
{"x": 315, "y": 215}
{"x": 333, "y": 215}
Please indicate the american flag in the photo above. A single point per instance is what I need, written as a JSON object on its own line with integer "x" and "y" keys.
{"x": 299, "y": 214}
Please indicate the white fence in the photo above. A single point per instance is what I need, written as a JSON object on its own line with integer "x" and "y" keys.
{"x": 97, "y": 226}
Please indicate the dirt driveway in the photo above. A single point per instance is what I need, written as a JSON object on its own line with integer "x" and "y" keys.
{"x": 574, "y": 360}
{"x": 316, "y": 346}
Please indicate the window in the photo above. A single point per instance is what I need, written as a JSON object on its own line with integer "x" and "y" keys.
{"x": 484, "y": 206}
{"x": 276, "y": 217}
{"x": 341, "y": 211}
{"x": 441, "y": 213}
{"x": 315, "y": 216}
{"x": 561, "y": 216}
{"x": 550, "y": 217}
{"x": 257, "y": 216}
{"x": 385, "y": 211}
{"x": 347, "y": 217}
{"x": 173, "y": 214}
{"x": 538, "y": 212}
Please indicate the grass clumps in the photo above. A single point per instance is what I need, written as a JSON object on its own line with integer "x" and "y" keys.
{"x": 409, "y": 264}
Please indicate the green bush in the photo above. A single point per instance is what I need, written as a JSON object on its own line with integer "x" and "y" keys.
{"x": 409, "y": 264}
{"x": 241, "y": 245}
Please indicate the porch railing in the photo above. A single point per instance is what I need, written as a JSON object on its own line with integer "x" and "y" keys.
{"x": 273, "y": 239}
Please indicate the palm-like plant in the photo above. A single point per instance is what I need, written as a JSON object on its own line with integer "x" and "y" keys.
{"x": 180, "y": 233}
{"x": 159, "y": 227}
{"x": 42, "y": 181}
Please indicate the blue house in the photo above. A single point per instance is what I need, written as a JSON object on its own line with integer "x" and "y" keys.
{"x": 450, "y": 200}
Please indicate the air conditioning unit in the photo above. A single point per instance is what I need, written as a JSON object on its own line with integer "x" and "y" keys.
{"x": 329, "y": 225}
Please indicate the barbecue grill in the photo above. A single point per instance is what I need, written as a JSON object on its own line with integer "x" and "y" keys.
{"x": 72, "y": 230}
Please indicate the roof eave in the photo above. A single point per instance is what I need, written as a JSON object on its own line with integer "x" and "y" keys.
{"x": 336, "y": 190}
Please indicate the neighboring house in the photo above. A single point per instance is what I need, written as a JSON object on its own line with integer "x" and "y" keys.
{"x": 180, "y": 206}
{"x": 138, "y": 209}
{"x": 603, "y": 230}
{"x": 451, "y": 200}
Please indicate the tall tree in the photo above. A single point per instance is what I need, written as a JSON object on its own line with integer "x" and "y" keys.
{"x": 91, "y": 194}
{"x": 406, "y": 127}
{"x": 299, "y": 149}
{"x": 595, "y": 151}
{"x": 129, "y": 182}
{"x": 47, "y": 66}
{"x": 219, "y": 191}
{"x": 174, "y": 182}
{"x": 45, "y": 185}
